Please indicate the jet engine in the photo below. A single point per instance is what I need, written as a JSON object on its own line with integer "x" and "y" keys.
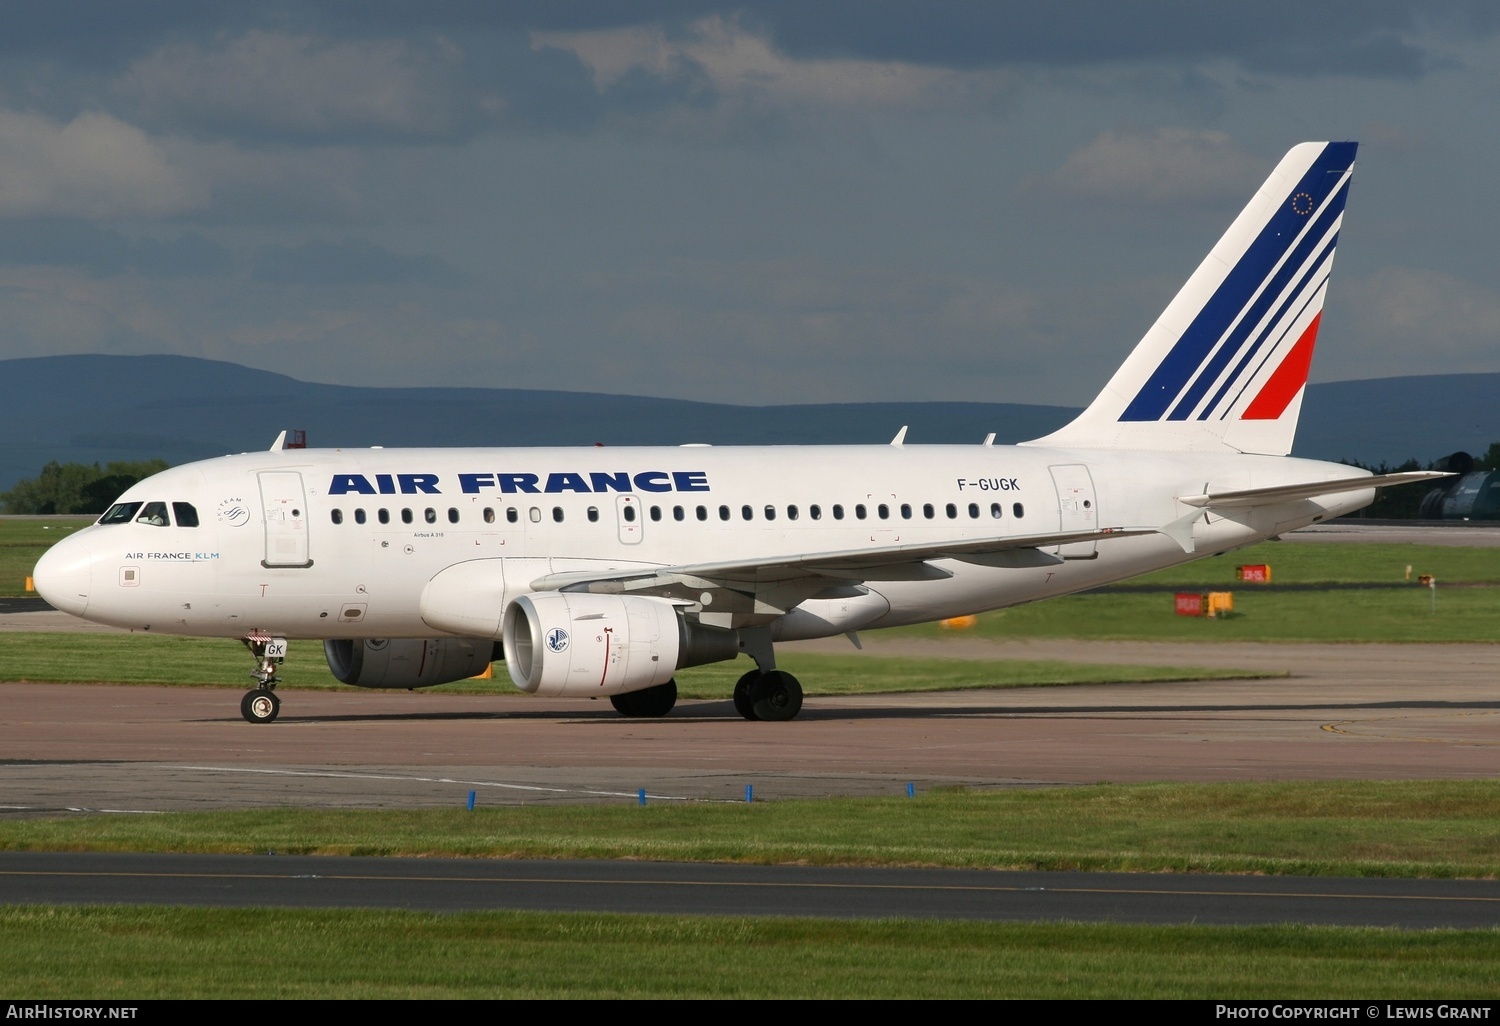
{"x": 408, "y": 662}
{"x": 576, "y": 644}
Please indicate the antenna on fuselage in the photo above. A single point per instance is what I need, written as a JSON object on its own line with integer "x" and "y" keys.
{"x": 900, "y": 438}
{"x": 280, "y": 442}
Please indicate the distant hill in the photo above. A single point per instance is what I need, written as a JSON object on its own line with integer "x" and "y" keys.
{"x": 103, "y": 408}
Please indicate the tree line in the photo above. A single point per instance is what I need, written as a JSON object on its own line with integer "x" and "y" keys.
{"x": 1404, "y": 503}
{"x": 76, "y": 487}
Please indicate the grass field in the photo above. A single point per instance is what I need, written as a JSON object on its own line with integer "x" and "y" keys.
{"x": 22, "y": 542}
{"x": 141, "y": 953}
{"x": 1342, "y": 828}
{"x": 157, "y": 659}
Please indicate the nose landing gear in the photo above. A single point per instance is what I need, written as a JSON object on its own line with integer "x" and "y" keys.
{"x": 260, "y": 704}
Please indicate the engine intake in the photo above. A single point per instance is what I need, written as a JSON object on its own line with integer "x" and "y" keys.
{"x": 408, "y": 662}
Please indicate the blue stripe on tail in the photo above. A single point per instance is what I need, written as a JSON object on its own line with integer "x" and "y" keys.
{"x": 1234, "y": 294}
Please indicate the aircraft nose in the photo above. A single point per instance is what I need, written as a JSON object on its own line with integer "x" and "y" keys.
{"x": 64, "y": 575}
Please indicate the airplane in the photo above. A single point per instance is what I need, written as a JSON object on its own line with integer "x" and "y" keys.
{"x": 600, "y": 572}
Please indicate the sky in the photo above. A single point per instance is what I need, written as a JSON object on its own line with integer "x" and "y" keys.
{"x": 759, "y": 203}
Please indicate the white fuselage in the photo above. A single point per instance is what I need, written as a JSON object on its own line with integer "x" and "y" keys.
{"x": 341, "y": 543}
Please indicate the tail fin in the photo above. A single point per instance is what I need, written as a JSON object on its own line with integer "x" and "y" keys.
{"x": 1225, "y": 365}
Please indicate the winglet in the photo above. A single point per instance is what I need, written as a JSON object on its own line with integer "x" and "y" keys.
{"x": 280, "y": 442}
{"x": 900, "y": 438}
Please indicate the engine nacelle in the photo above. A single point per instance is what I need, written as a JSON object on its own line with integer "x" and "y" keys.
{"x": 407, "y": 662}
{"x": 567, "y": 644}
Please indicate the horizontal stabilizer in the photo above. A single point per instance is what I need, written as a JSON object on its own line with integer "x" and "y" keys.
{"x": 1309, "y": 490}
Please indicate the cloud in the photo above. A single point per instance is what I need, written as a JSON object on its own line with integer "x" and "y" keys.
{"x": 62, "y": 242}
{"x": 1404, "y": 320}
{"x": 94, "y": 166}
{"x": 287, "y": 86}
{"x": 351, "y": 262}
{"x": 727, "y": 62}
{"x": 1362, "y": 38}
{"x": 1168, "y": 167}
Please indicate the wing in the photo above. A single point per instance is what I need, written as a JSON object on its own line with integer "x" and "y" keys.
{"x": 775, "y": 584}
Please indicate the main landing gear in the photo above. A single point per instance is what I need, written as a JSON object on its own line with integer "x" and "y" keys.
{"x": 657, "y": 701}
{"x": 260, "y": 704}
{"x": 770, "y": 695}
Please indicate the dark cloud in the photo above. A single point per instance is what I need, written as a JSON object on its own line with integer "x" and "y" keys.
{"x": 351, "y": 262}
{"x": 101, "y": 252}
{"x": 1358, "y": 37}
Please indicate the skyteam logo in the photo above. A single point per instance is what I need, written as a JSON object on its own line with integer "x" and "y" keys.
{"x": 557, "y": 640}
{"x": 1246, "y": 323}
{"x": 234, "y": 513}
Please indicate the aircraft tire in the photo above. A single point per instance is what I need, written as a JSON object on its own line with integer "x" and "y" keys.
{"x": 777, "y": 696}
{"x": 657, "y": 701}
{"x": 743, "y": 703}
{"x": 260, "y": 706}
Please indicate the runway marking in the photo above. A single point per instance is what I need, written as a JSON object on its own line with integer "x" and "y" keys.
{"x": 751, "y": 884}
{"x": 1334, "y": 728}
{"x": 447, "y": 780}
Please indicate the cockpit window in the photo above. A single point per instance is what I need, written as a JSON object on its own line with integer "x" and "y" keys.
{"x": 185, "y": 514}
{"x": 120, "y": 513}
{"x": 154, "y": 514}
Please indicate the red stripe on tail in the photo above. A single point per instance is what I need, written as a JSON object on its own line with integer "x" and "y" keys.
{"x": 1288, "y": 379}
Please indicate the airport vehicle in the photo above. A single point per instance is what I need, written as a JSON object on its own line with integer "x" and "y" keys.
{"x": 600, "y": 572}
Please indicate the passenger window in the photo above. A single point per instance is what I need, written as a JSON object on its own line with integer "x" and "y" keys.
{"x": 557, "y": 514}
{"x": 928, "y": 511}
{"x": 512, "y": 515}
{"x": 489, "y": 515}
{"x": 746, "y": 513}
{"x": 629, "y": 514}
{"x": 154, "y": 515}
{"x": 952, "y": 511}
{"x": 859, "y": 511}
{"x": 359, "y": 516}
{"x": 678, "y": 513}
{"x": 770, "y": 512}
{"x": 973, "y": 511}
{"x": 995, "y": 510}
{"x": 338, "y": 516}
{"x": 905, "y": 511}
{"x": 186, "y": 514}
{"x": 883, "y": 511}
{"x": 655, "y": 513}
{"x": 791, "y": 512}
{"x": 120, "y": 513}
{"x": 593, "y": 514}
{"x": 815, "y": 511}
{"x": 1018, "y": 510}
{"x": 384, "y": 516}
{"x": 702, "y": 512}
{"x": 452, "y": 515}
{"x": 723, "y": 512}
{"x": 406, "y": 516}
{"x": 838, "y": 512}
{"x": 430, "y": 515}
{"x": 535, "y": 514}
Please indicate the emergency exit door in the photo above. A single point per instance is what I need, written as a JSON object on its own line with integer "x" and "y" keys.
{"x": 1077, "y": 508}
{"x": 285, "y": 507}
